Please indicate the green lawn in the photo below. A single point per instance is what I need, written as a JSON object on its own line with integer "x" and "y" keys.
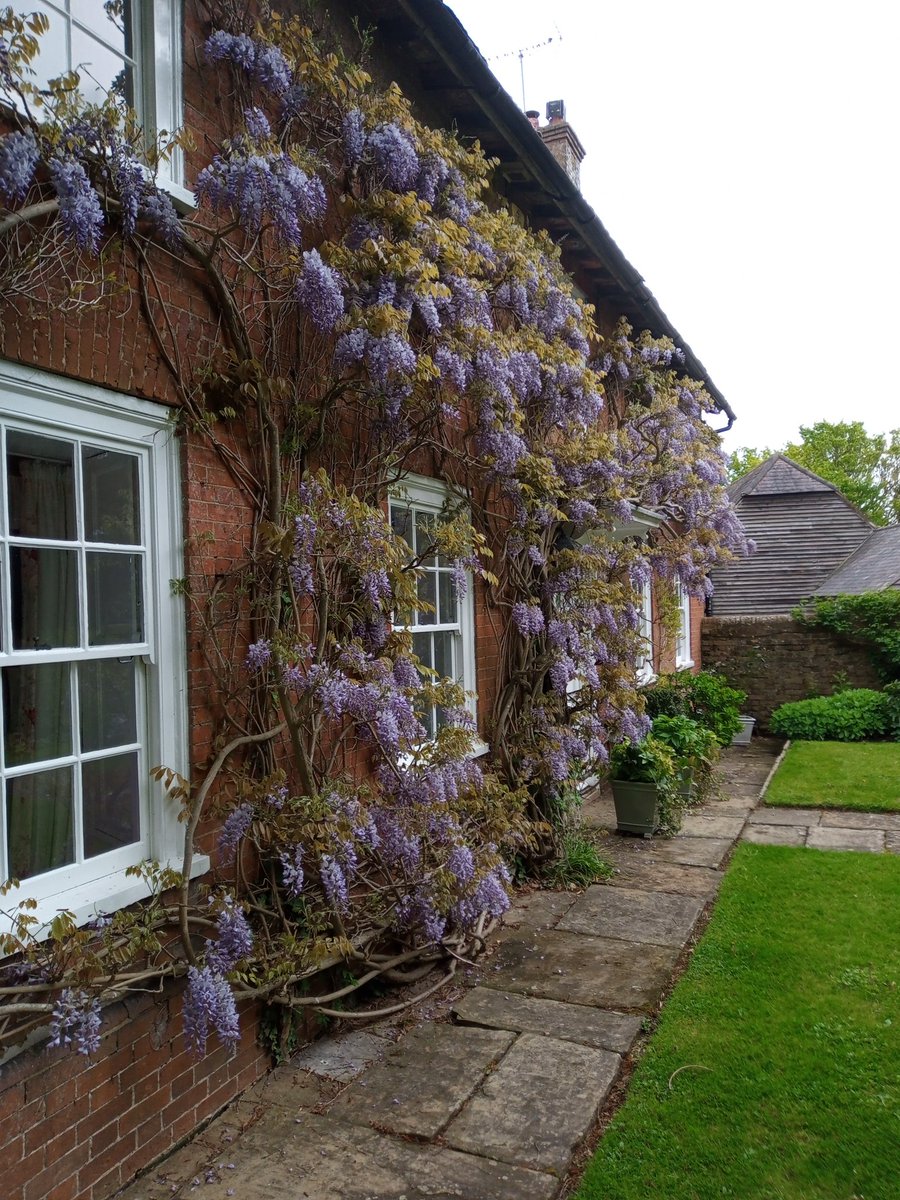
{"x": 859, "y": 775}
{"x": 787, "y": 1027}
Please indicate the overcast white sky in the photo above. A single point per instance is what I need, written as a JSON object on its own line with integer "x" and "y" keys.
{"x": 746, "y": 159}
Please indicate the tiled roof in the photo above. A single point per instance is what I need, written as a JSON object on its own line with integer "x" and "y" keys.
{"x": 871, "y": 567}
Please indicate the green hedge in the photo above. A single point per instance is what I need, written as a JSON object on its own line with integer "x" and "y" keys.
{"x": 850, "y": 716}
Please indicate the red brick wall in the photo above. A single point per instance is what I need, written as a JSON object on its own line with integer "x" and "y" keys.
{"x": 73, "y": 1127}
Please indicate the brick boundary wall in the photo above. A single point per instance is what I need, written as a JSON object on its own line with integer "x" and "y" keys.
{"x": 776, "y": 660}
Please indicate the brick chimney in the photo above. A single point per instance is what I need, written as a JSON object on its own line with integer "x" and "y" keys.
{"x": 560, "y": 137}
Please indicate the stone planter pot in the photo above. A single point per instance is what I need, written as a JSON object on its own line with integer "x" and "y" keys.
{"x": 637, "y": 806}
{"x": 745, "y": 733}
{"x": 685, "y": 782}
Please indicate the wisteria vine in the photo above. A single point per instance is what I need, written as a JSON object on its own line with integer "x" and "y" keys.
{"x": 410, "y": 324}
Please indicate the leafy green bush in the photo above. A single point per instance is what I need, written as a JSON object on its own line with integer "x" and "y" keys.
{"x": 850, "y": 716}
{"x": 705, "y": 697}
{"x": 694, "y": 746}
{"x": 873, "y": 618}
{"x": 891, "y": 696}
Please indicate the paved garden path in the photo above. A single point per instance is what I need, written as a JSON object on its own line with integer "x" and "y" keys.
{"x": 489, "y": 1092}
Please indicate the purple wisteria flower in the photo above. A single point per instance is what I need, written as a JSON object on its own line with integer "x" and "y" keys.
{"x": 354, "y": 132}
{"x": 529, "y": 619}
{"x": 292, "y": 870}
{"x": 319, "y": 291}
{"x": 259, "y": 187}
{"x": 259, "y": 654}
{"x": 19, "y": 154}
{"x": 334, "y": 881}
{"x": 160, "y": 212}
{"x": 235, "y": 939}
{"x": 79, "y": 205}
{"x": 258, "y": 125}
{"x": 265, "y": 65}
{"x": 395, "y": 155}
{"x": 76, "y": 1019}
{"x": 461, "y": 864}
{"x": 209, "y": 1004}
{"x": 235, "y": 827}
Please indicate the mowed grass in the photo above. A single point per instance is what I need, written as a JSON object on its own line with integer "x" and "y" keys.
{"x": 857, "y": 775}
{"x": 775, "y": 1071}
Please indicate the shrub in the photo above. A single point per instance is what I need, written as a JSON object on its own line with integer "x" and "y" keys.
{"x": 705, "y": 697}
{"x": 651, "y": 761}
{"x": 695, "y": 746}
{"x": 849, "y": 716}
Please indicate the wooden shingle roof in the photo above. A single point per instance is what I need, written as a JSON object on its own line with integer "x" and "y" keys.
{"x": 778, "y": 476}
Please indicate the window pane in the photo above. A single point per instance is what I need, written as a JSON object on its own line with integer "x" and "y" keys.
{"x": 44, "y": 606}
{"x": 106, "y": 699}
{"x": 427, "y": 593}
{"x": 111, "y": 803}
{"x": 422, "y": 649}
{"x": 115, "y": 599}
{"x": 111, "y": 21}
{"x": 39, "y": 822}
{"x": 111, "y": 496}
{"x": 425, "y": 523}
{"x": 37, "y": 713}
{"x": 443, "y": 655}
{"x": 447, "y": 614}
{"x": 401, "y": 523}
{"x": 53, "y": 58}
{"x": 41, "y": 486}
{"x": 100, "y": 69}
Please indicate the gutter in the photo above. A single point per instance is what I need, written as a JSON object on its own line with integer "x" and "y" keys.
{"x": 439, "y": 26}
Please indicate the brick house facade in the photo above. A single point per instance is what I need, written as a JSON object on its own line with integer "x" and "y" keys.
{"x": 85, "y": 405}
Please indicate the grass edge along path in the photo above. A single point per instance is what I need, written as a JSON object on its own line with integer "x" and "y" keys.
{"x": 862, "y": 776}
{"x": 774, "y": 1073}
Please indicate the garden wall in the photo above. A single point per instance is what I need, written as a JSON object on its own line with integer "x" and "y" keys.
{"x": 775, "y": 660}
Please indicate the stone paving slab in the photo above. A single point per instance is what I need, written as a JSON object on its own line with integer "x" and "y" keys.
{"x": 652, "y": 876}
{"x": 577, "y": 969}
{"x": 692, "y": 851}
{"x": 320, "y": 1158}
{"x": 834, "y": 819}
{"x": 712, "y": 824}
{"x": 892, "y": 843}
{"x": 569, "y": 1022}
{"x": 343, "y": 1057}
{"x": 538, "y": 1105}
{"x": 422, "y": 1082}
{"x": 820, "y": 838}
{"x": 775, "y": 815}
{"x": 775, "y": 835}
{"x": 634, "y": 916}
{"x": 539, "y": 910}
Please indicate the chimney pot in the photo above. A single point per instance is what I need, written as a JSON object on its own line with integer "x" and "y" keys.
{"x": 534, "y": 117}
{"x": 556, "y": 111}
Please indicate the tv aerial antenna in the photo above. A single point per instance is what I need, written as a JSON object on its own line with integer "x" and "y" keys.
{"x": 521, "y": 53}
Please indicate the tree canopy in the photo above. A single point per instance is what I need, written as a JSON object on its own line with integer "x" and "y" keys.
{"x": 865, "y": 467}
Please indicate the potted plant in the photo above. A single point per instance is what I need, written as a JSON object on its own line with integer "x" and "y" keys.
{"x": 644, "y": 785}
{"x": 693, "y": 745}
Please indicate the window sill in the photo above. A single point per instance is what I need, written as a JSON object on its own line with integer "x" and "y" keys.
{"x": 682, "y": 664}
{"x": 182, "y": 197}
{"x": 87, "y": 901}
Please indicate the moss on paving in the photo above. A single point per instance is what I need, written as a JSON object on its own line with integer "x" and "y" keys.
{"x": 775, "y": 1071}
{"x": 853, "y": 775}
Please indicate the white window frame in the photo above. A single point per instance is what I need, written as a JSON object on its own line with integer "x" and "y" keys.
{"x": 158, "y": 58}
{"x": 645, "y": 672}
{"x": 683, "y": 656}
{"x": 432, "y": 495}
{"x": 56, "y": 407}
